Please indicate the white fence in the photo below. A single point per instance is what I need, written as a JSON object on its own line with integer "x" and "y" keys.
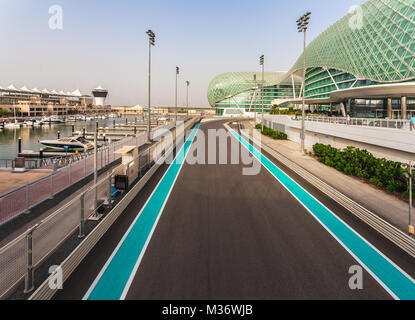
{"x": 22, "y": 256}
{"x": 22, "y": 199}
{"x": 376, "y": 123}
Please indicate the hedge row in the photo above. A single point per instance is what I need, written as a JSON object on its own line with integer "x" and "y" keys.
{"x": 277, "y": 135}
{"x": 361, "y": 163}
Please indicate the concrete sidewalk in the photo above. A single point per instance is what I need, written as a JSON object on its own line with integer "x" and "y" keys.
{"x": 11, "y": 180}
{"x": 385, "y": 205}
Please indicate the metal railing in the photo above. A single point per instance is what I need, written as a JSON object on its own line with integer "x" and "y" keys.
{"x": 20, "y": 258}
{"x": 24, "y": 198}
{"x": 402, "y": 240}
{"x": 149, "y": 159}
{"x": 361, "y": 122}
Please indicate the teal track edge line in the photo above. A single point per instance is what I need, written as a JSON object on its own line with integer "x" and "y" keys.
{"x": 111, "y": 283}
{"x": 393, "y": 279}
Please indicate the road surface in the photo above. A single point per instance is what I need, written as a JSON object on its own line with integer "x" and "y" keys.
{"x": 222, "y": 235}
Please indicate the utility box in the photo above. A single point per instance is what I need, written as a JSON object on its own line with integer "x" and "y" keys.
{"x": 130, "y": 163}
{"x": 121, "y": 182}
{"x": 19, "y": 165}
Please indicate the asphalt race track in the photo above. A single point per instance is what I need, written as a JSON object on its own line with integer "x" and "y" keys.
{"x": 225, "y": 236}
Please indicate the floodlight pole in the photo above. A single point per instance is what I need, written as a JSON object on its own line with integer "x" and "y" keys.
{"x": 187, "y": 96}
{"x": 303, "y": 108}
{"x": 302, "y": 25}
{"x": 262, "y": 62}
{"x": 151, "y": 42}
{"x": 410, "y": 197}
{"x": 177, "y": 75}
{"x": 96, "y": 164}
{"x": 255, "y": 83}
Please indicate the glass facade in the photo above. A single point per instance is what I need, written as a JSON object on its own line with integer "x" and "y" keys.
{"x": 379, "y": 49}
{"x": 240, "y": 90}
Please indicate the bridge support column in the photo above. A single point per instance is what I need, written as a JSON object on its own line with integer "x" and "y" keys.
{"x": 389, "y": 106}
{"x": 343, "y": 109}
{"x": 404, "y": 108}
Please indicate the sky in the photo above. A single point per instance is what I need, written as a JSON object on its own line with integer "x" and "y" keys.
{"x": 103, "y": 43}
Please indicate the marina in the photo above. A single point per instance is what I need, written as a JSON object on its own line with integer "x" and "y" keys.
{"x": 32, "y": 134}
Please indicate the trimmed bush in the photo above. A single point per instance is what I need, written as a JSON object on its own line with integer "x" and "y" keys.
{"x": 276, "y": 135}
{"x": 352, "y": 161}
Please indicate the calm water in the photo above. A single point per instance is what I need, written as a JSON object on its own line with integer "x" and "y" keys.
{"x": 32, "y": 136}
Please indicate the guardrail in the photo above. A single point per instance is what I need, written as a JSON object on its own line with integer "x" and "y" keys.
{"x": 69, "y": 265}
{"x": 377, "y": 123}
{"x": 389, "y": 231}
{"x": 20, "y": 258}
{"x": 24, "y": 198}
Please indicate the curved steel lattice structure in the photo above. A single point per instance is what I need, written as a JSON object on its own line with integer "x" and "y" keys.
{"x": 231, "y": 84}
{"x": 376, "y": 42}
{"x": 371, "y": 47}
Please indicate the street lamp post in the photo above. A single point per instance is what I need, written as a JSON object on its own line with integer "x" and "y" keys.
{"x": 187, "y": 96}
{"x": 302, "y": 25}
{"x": 409, "y": 177}
{"x": 177, "y": 75}
{"x": 151, "y": 42}
{"x": 262, "y": 63}
{"x": 255, "y": 84}
{"x": 96, "y": 165}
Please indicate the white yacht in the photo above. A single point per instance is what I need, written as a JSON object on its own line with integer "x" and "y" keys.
{"x": 52, "y": 120}
{"x": 32, "y": 123}
{"x": 13, "y": 125}
{"x": 69, "y": 144}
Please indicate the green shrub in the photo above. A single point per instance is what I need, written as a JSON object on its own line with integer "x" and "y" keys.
{"x": 383, "y": 173}
{"x": 277, "y": 135}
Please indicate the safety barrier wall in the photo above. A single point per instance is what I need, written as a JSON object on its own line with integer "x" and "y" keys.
{"x": 22, "y": 199}
{"x": 156, "y": 158}
{"x": 20, "y": 258}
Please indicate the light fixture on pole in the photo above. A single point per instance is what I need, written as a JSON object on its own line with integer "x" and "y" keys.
{"x": 409, "y": 178}
{"x": 302, "y": 25}
{"x": 177, "y": 75}
{"x": 96, "y": 216}
{"x": 262, "y": 63}
{"x": 151, "y": 42}
{"x": 187, "y": 96}
{"x": 254, "y": 97}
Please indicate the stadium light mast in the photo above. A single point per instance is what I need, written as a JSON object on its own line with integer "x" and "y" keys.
{"x": 187, "y": 96}
{"x": 177, "y": 75}
{"x": 151, "y": 42}
{"x": 262, "y": 63}
{"x": 256, "y": 88}
{"x": 302, "y": 25}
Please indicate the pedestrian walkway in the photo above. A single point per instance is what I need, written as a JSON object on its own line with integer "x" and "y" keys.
{"x": 387, "y": 206}
{"x": 16, "y": 180}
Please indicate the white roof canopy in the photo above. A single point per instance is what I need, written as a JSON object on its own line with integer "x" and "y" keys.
{"x": 77, "y": 93}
